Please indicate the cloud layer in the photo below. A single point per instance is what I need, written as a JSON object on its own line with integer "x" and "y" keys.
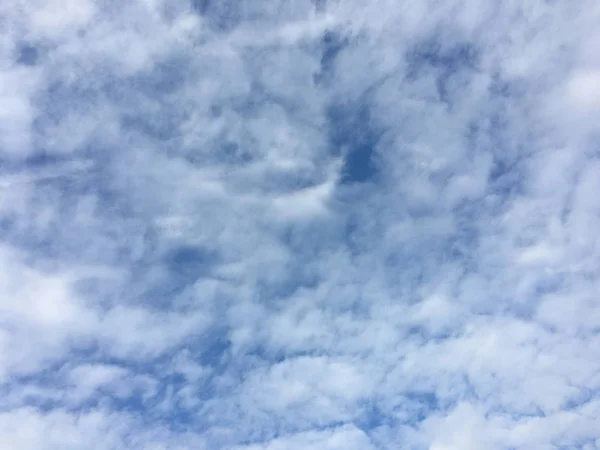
{"x": 285, "y": 225}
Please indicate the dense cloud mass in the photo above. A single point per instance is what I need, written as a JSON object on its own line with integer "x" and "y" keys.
{"x": 285, "y": 225}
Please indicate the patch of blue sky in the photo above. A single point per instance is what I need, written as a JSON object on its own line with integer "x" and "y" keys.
{"x": 27, "y": 54}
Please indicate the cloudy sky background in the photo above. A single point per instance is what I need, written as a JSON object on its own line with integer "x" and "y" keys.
{"x": 341, "y": 225}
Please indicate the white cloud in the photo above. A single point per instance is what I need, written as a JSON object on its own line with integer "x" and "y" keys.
{"x": 188, "y": 261}
{"x": 344, "y": 437}
{"x": 17, "y": 112}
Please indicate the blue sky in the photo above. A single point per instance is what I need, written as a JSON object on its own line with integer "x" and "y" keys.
{"x": 288, "y": 224}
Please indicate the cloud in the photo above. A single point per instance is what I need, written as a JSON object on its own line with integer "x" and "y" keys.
{"x": 323, "y": 224}
{"x": 344, "y": 437}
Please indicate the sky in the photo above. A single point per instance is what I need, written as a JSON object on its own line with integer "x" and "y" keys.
{"x": 286, "y": 225}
